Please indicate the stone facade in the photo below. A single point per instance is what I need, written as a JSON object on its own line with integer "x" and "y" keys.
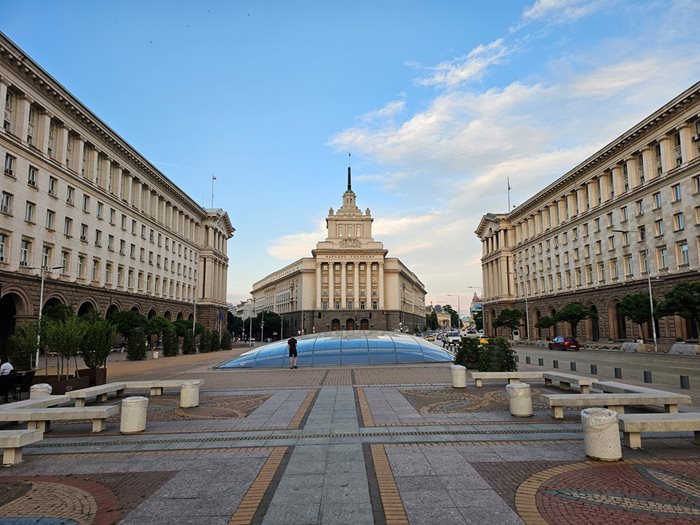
{"x": 348, "y": 283}
{"x": 103, "y": 225}
{"x": 628, "y": 214}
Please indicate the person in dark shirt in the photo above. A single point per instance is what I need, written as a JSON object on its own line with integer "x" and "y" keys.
{"x": 292, "y": 345}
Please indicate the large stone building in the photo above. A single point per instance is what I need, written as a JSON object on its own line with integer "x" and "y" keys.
{"x": 109, "y": 230}
{"x": 348, "y": 283}
{"x": 629, "y": 212}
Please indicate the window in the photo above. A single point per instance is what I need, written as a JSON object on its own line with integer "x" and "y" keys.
{"x": 100, "y": 209}
{"x": 112, "y": 216}
{"x": 25, "y": 250}
{"x": 598, "y": 247}
{"x": 53, "y": 186}
{"x": 587, "y": 251}
{"x": 46, "y": 256}
{"x": 110, "y": 243}
{"x": 83, "y": 232}
{"x": 659, "y": 227}
{"x": 596, "y": 225}
{"x": 678, "y": 222}
{"x": 67, "y": 226}
{"x": 29, "y": 211}
{"x": 349, "y": 304}
{"x": 575, "y": 254}
{"x": 643, "y": 265}
{"x": 123, "y": 222}
{"x": 6, "y": 203}
{"x": 611, "y": 242}
{"x": 337, "y": 305}
{"x": 640, "y": 207}
{"x": 677, "y": 149}
{"x": 623, "y": 214}
{"x": 676, "y": 192}
{"x": 50, "y": 217}
{"x": 122, "y": 247}
{"x": 642, "y": 233}
{"x": 98, "y": 238}
{"x": 81, "y": 267}
{"x": 640, "y": 168}
{"x": 585, "y": 232}
{"x": 612, "y": 264}
{"x": 683, "y": 256}
{"x": 628, "y": 265}
{"x": 3, "y": 243}
{"x": 375, "y": 305}
{"x": 609, "y": 220}
{"x": 86, "y": 203}
{"x": 108, "y": 274}
{"x": 32, "y": 176}
{"x": 95, "y": 270}
{"x": 133, "y": 227}
{"x": 10, "y": 165}
{"x": 574, "y": 237}
{"x": 662, "y": 256}
{"x": 696, "y": 183}
{"x": 657, "y": 151}
{"x": 143, "y": 231}
{"x": 132, "y": 251}
{"x": 65, "y": 262}
{"x": 70, "y": 195}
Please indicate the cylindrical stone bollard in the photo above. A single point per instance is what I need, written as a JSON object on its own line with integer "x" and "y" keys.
{"x": 189, "y": 394}
{"x": 40, "y": 391}
{"x": 133, "y": 416}
{"x": 156, "y": 354}
{"x": 601, "y": 435}
{"x": 459, "y": 376}
{"x": 519, "y": 399}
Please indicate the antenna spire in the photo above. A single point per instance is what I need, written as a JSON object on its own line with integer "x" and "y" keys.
{"x": 349, "y": 175}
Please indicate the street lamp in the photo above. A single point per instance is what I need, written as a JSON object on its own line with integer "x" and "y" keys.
{"x": 643, "y": 237}
{"x": 459, "y": 311}
{"x": 42, "y": 270}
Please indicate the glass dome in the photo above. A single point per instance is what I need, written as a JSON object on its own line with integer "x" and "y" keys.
{"x": 356, "y": 347}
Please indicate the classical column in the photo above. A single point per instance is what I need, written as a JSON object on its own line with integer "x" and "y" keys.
{"x": 319, "y": 285}
{"x": 126, "y": 187}
{"x": 21, "y": 117}
{"x": 688, "y": 152}
{"x": 117, "y": 182}
{"x": 561, "y": 209}
{"x": 604, "y": 186}
{"x": 581, "y": 196}
{"x": 571, "y": 204}
{"x": 632, "y": 172}
{"x": 617, "y": 185}
{"x": 343, "y": 285}
{"x": 79, "y": 149}
{"x": 331, "y": 286}
{"x": 42, "y": 136}
{"x": 356, "y": 283}
{"x": 61, "y": 143}
{"x": 649, "y": 163}
{"x": 593, "y": 192}
{"x": 136, "y": 194}
{"x": 667, "y": 162}
{"x": 91, "y": 162}
{"x": 368, "y": 285}
{"x": 380, "y": 271}
{"x": 3, "y": 97}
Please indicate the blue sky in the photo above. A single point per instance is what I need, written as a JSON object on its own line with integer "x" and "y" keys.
{"x": 438, "y": 102}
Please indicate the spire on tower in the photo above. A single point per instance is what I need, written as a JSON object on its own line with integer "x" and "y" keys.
{"x": 349, "y": 176}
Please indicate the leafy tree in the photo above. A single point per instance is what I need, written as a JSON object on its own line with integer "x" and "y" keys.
{"x": 432, "y": 321}
{"x": 205, "y": 342}
{"x": 545, "y": 322}
{"x": 234, "y": 324}
{"x": 478, "y": 318}
{"x": 215, "y": 341}
{"x": 97, "y": 342}
{"x": 508, "y": 319}
{"x": 23, "y": 346}
{"x": 128, "y": 320}
{"x": 181, "y": 326}
{"x": 64, "y": 338}
{"x": 188, "y": 343}
{"x": 497, "y": 355}
{"x": 57, "y": 312}
{"x": 636, "y": 307}
{"x": 454, "y": 316}
{"x": 156, "y": 325}
{"x": 170, "y": 342}
{"x": 573, "y": 313}
{"x": 226, "y": 340}
{"x": 136, "y": 345}
{"x": 684, "y": 300}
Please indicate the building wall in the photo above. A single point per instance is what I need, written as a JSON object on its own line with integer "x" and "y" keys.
{"x": 630, "y": 211}
{"x": 77, "y": 200}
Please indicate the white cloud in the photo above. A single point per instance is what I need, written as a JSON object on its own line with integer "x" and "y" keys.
{"x": 385, "y": 226}
{"x": 389, "y": 110}
{"x": 297, "y": 245}
{"x": 562, "y": 10}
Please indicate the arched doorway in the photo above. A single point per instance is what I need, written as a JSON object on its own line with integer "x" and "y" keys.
{"x": 113, "y": 309}
{"x": 350, "y": 324}
{"x": 180, "y": 316}
{"x": 190, "y": 317}
{"x": 595, "y": 324}
{"x": 364, "y": 324}
{"x": 8, "y": 319}
{"x": 620, "y": 323}
{"x": 86, "y": 308}
{"x": 152, "y": 313}
{"x": 135, "y": 309}
{"x": 167, "y": 315}
{"x": 335, "y": 324}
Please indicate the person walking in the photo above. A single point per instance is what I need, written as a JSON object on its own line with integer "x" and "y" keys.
{"x": 292, "y": 345}
{"x": 5, "y": 368}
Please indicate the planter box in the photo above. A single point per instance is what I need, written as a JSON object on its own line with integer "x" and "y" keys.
{"x": 61, "y": 386}
{"x": 98, "y": 376}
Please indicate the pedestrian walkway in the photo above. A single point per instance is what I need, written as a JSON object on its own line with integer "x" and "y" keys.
{"x": 369, "y": 445}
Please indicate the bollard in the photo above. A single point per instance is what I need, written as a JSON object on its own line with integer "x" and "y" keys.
{"x": 540, "y": 361}
{"x": 519, "y": 399}
{"x": 601, "y": 435}
{"x": 685, "y": 382}
{"x": 555, "y": 363}
{"x": 133, "y": 416}
{"x": 189, "y": 394}
{"x": 594, "y": 370}
{"x": 527, "y": 359}
{"x": 40, "y": 390}
{"x": 647, "y": 376}
{"x": 459, "y": 376}
{"x": 618, "y": 373}
{"x": 155, "y": 354}
{"x": 572, "y": 366}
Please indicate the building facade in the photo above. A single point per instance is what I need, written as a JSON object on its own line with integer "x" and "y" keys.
{"x": 349, "y": 282}
{"x": 81, "y": 208}
{"x": 627, "y": 216}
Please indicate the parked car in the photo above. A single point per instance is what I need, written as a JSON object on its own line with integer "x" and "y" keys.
{"x": 562, "y": 342}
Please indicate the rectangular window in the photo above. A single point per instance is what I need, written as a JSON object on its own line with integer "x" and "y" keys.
{"x": 640, "y": 207}
{"x": 25, "y": 250}
{"x": 598, "y": 247}
{"x": 53, "y": 186}
{"x": 50, "y": 218}
{"x": 81, "y": 266}
{"x": 29, "y": 212}
{"x": 83, "y": 232}
{"x": 67, "y": 226}
{"x": 662, "y": 256}
{"x": 611, "y": 242}
{"x": 10, "y": 165}
{"x": 6, "y": 203}
{"x": 133, "y": 227}
{"x": 65, "y": 262}
{"x": 32, "y": 176}
{"x": 678, "y": 222}
{"x": 696, "y": 184}
{"x": 643, "y": 264}
{"x": 46, "y": 256}
{"x": 3, "y": 243}
{"x": 656, "y": 199}
{"x": 100, "y": 209}
{"x": 98, "y": 238}
{"x": 123, "y": 222}
{"x": 86, "y": 203}
{"x": 110, "y": 243}
{"x": 609, "y": 220}
{"x": 642, "y": 233}
{"x": 683, "y": 256}
{"x": 613, "y": 269}
{"x": 623, "y": 214}
{"x": 70, "y": 195}
{"x": 676, "y": 192}
{"x": 112, "y": 216}
{"x": 628, "y": 265}
{"x": 122, "y": 247}
{"x": 108, "y": 274}
{"x": 95, "y": 270}
{"x": 659, "y": 227}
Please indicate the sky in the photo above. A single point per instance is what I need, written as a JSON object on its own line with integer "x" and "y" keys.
{"x": 439, "y": 103}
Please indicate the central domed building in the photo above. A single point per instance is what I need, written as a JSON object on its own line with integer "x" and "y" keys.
{"x": 349, "y": 283}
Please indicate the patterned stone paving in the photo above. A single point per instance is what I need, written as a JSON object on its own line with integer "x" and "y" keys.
{"x": 448, "y": 400}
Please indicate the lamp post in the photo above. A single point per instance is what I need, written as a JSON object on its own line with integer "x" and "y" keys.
{"x": 527, "y": 309}
{"x": 252, "y": 311}
{"x": 459, "y": 310}
{"x": 42, "y": 270}
{"x": 651, "y": 298}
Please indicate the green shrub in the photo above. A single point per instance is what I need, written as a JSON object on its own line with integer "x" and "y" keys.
{"x": 23, "y": 346}
{"x": 188, "y": 344}
{"x": 97, "y": 342}
{"x": 205, "y": 342}
{"x": 226, "y": 343}
{"x": 136, "y": 345}
{"x": 170, "y": 343}
{"x": 215, "y": 344}
{"x": 495, "y": 355}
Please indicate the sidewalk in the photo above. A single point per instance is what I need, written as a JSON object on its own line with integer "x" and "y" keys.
{"x": 341, "y": 446}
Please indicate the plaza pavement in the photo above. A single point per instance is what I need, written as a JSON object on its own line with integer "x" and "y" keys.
{"x": 341, "y": 445}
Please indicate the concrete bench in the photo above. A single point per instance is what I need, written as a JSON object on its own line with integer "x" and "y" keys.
{"x": 512, "y": 377}
{"x": 40, "y": 418}
{"x": 12, "y": 442}
{"x": 100, "y": 392}
{"x": 616, "y": 402}
{"x": 42, "y": 402}
{"x": 623, "y": 388}
{"x": 567, "y": 380}
{"x": 634, "y": 424}
{"x": 156, "y": 386}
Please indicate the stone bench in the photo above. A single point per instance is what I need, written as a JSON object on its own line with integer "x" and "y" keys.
{"x": 40, "y": 418}
{"x": 512, "y": 377}
{"x": 156, "y": 386}
{"x": 624, "y": 388}
{"x": 12, "y": 442}
{"x": 100, "y": 392}
{"x": 567, "y": 380}
{"x": 42, "y": 402}
{"x": 634, "y": 424}
{"x": 616, "y": 402}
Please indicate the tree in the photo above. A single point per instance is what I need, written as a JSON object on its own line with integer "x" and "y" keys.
{"x": 215, "y": 341}
{"x": 454, "y": 316}
{"x": 573, "y": 313}
{"x": 508, "y": 319}
{"x": 23, "y": 346}
{"x": 64, "y": 338}
{"x": 182, "y": 326}
{"x": 170, "y": 342}
{"x": 478, "y": 318}
{"x": 126, "y": 321}
{"x": 57, "y": 312}
{"x": 234, "y": 324}
{"x": 136, "y": 345}
{"x": 97, "y": 342}
{"x": 226, "y": 340}
{"x": 545, "y": 322}
{"x": 684, "y": 300}
{"x": 636, "y": 307}
{"x": 432, "y": 321}
{"x": 205, "y": 342}
{"x": 188, "y": 343}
